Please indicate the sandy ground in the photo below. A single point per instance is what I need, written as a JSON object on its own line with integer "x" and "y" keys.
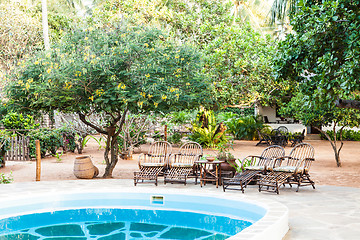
{"x": 323, "y": 171}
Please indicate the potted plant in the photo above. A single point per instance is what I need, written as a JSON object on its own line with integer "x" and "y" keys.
{"x": 224, "y": 155}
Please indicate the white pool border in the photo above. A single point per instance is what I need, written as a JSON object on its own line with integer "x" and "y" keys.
{"x": 273, "y": 226}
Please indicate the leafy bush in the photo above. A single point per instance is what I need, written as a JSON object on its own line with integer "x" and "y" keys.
{"x": 175, "y": 138}
{"x": 13, "y": 120}
{"x": 206, "y": 132}
{"x": 69, "y": 141}
{"x": 225, "y": 116}
{"x": 6, "y": 179}
{"x": 245, "y": 127}
{"x": 347, "y": 135}
{"x": 4, "y": 144}
{"x": 50, "y": 140}
{"x": 181, "y": 117}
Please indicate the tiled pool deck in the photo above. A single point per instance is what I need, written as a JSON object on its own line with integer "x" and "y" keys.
{"x": 328, "y": 212}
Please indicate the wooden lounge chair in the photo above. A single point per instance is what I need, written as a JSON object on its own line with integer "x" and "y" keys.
{"x": 182, "y": 164}
{"x": 153, "y": 163}
{"x": 258, "y": 164}
{"x": 293, "y": 169}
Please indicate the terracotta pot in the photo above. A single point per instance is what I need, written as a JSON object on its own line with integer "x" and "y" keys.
{"x": 226, "y": 165}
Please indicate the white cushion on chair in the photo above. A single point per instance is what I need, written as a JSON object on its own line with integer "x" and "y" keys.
{"x": 152, "y": 164}
{"x": 182, "y": 165}
{"x": 289, "y": 169}
{"x": 255, "y": 168}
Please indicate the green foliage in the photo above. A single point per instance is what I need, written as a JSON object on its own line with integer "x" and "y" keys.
{"x": 239, "y": 111}
{"x": 69, "y": 141}
{"x": 245, "y": 127}
{"x": 20, "y": 33}
{"x": 237, "y": 58}
{"x": 206, "y": 132}
{"x": 58, "y": 156}
{"x": 50, "y": 141}
{"x": 99, "y": 140}
{"x": 320, "y": 63}
{"x": 347, "y": 135}
{"x": 175, "y": 138}
{"x": 110, "y": 70}
{"x": 4, "y": 179}
{"x": 4, "y": 145}
{"x": 13, "y": 120}
{"x": 181, "y": 117}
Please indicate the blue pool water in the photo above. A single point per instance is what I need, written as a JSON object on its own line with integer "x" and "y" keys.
{"x": 108, "y": 216}
{"x": 107, "y": 224}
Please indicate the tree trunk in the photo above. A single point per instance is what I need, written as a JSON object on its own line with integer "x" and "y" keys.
{"x": 112, "y": 148}
{"x": 45, "y": 24}
{"x": 334, "y": 143}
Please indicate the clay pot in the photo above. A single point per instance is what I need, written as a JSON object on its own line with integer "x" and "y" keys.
{"x": 227, "y": 167}
{"x": 84, "y": 168}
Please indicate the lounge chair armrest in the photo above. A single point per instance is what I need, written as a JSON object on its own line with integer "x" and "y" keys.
{"x": 248, "y": 158}
{"x": 141, "y": 158}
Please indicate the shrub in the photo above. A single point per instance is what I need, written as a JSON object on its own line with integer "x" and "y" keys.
{"x": 206, "y": 132}
{"x": 13, "y": 120}
{"x": 245, "y": 127}
{"x": 4, "y": 144}
{"x": 50, "y": 140}
{"x": 6, "y": 179}
{"x": 69, "y": 141}
{"x": 347, "y": 135}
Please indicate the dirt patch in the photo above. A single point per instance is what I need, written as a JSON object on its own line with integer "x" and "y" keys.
{"x": 324, "y": 170}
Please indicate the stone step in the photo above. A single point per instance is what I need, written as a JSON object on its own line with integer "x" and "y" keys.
{"x": 312, "y": 137}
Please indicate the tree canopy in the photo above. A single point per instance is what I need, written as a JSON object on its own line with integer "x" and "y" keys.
{"x": 319, "y": 63}
{"x": 112, "y": 71}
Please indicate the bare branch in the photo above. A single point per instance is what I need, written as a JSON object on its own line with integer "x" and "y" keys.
{"x": 83, "y": 119}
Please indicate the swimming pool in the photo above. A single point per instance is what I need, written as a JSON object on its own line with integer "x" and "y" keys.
{"x": 206, "y": 214}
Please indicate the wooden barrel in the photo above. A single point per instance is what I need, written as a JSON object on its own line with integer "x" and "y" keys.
{"x": 84, "y": 168}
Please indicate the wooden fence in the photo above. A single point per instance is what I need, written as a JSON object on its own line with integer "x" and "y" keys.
{"x": 18, "y": 149}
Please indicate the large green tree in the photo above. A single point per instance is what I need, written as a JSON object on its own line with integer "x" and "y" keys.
{"x": 237, "y": 57}
{"x": 112, "y": 71}
{"x": 320, "y": 63}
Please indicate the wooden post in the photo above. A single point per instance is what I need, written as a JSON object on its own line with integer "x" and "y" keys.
{"x": 38, "y": 160}
{"x": 165, "y": 134}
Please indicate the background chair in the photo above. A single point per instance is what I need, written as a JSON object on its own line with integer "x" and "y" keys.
{"x": 153, "y": 163}
{"x": 297, "y": 138}
{"x": 264, "y": 138}
{"x": 182, "y": 164}
{"x": 252, "y": 166}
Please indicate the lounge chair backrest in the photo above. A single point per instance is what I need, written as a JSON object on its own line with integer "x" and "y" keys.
{"x": 189, "y": 152}
{"x": 273, "y": 151}
{"x": 299, "y": 152}
{"x": 269, "y": 153}
{"x": 159, "y": 152}
{"x": 302, "y": 150}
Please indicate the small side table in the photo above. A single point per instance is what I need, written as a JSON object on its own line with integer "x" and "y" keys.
{"x": 210, "y": 171}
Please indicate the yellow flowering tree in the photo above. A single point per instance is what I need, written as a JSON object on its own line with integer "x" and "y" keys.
{"x": 113, "y": 72}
